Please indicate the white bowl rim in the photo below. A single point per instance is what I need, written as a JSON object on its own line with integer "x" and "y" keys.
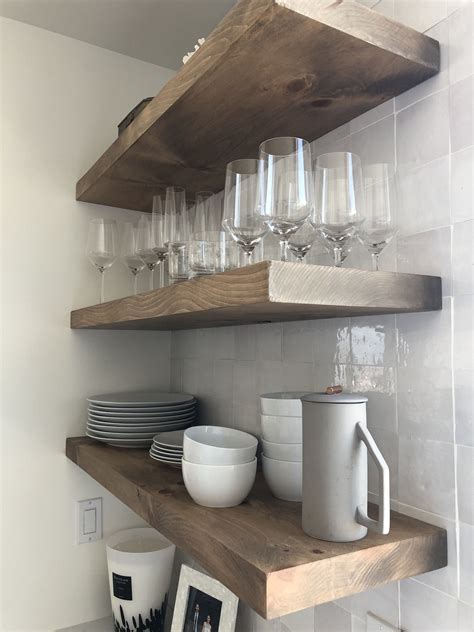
{"x": 286, "y": 395}
{"x": 268, "y": 458}
{"x": 247, "y": 463}
{"x": 280, "y": 417}
{"x": 253, "y": 441}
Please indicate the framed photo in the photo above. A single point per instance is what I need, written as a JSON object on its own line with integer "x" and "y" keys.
{"x": 203, "y": 604}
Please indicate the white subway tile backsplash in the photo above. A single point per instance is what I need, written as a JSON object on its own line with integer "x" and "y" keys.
{"x": 373, "y": 340}
{"x": 466, "y": 563}
{"x": 424, "y": 197}
{"x": 331, "y": 618}
{"x": 372, "y": 116}
{"x": 461, "y": 43}
{"x": 462, "y": 189}
{"x": 463, "y": 258}
{"x": 302, "y": 621}
{"x": 245, "y": 383}
{"x": 423, "y": 131}
{"x": 387, "y": 442}
{"x": 461, "y": 95}
{"x": 298, "y": 341}
{"x": 269, "y": 342}
{"x": 463, "y": 343}
{"x": 465, "y": 483}
{"x": 424, "y": 609}
{"x": 464, "y": 406}
{"x": 420, "y": 15}
{"x": 332, "y": 341}
{"x": 426, "y": 475}
{"x": 375, "y": 143}
{"x": 298, "y": 376}
{"x": 465, "y": 617}
{"x": 245, "y": 341}
{"x": 382, "y": 602}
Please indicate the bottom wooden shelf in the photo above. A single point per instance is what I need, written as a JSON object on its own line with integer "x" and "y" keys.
{"x": 258, "y": 550}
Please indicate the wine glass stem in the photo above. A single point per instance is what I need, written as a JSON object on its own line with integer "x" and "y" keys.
{"x": 152, "y": 274}
{"x": 162, "y": 273}
{"x": 135, "y": 283}
{"x": 283, "y": 249}
{"x": 248, "y": 257}
{"x": 375, "y": 261}
{"x": 338, "y": 257}
{"x": 102, "y": 286}
{"x": 299, "y": 258}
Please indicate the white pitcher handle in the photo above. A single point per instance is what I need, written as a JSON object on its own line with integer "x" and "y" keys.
{"x": 382, "y": 525}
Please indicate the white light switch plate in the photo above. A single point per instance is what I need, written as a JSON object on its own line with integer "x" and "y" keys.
{"x": 89, "y": 520}
{"x": 374, "y": 624}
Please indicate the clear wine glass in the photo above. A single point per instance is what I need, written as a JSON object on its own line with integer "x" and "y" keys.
{"x": 203, "y": 212}
{"x": 128, "y": 253}
{"x": 241, "y": 199}
{"x": 145, "y": 246}
{"x": 160, "y": 234}
{"x": 301, "y": 242}
{"x": 288, "y": 191}
{"x": 101, "y": 249}
{"x": 378, "y": 226}
{"x": 179, "y": 233}
{"x": 339, "y": 200}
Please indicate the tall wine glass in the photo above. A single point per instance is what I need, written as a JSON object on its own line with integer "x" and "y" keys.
{"x": 339, "y": 200}
{"x": 241, "y": 199}
{"x": 101, "y": 249}
{"x": 287, "y": 186}
{"x": 128, "y": 253}
{"x": 301, "y": 242}
{"x": 378, "y": 226}
{"x": 145, "y": 246}
{"x": 160, "y": 234}
{"x": 179, "y": 233}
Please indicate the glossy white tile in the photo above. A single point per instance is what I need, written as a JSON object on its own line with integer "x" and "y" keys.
{"x": 331, "y": 618}
{"x": 332, "y": 342}
{"x": 464, "y": 406}
{"x": 465, "y": 617}
{"x": 416, "y": 142}
{"x": 222, "y": 379}
{"x": 329, "y": 374}
{"x": 373, "y": 379}
{"x": 382, "y": 601}
{"x": 375, "y": 143}
{"x": 462, "y": 188}
{"x": 466, "y": 563}
{"x": 444, "y": 579}
{"x": 425, "y": 403}
{"x": 463, "y": 347}
{"x": 245, "y": 342}
{"x": 387, "y": 442}
{"x": 244, "y": 383}
{"x": 269, "y": 342}
{"x": 302, "y": 621}
{"x": 372, "y": 116}
{"x": 420, "y": 14}
{"x": 423, "y": 202}
{"x": 424, "y": 609}
{"x": 373, "y": 340}
{"x": 461, "y": 116}
{"x": 424, "y": 340}
{"x": 422, "y": 482}
{"x": 465, "y": 483}
{"x": 297, "y": 376}
{"x": 463, "y": 258}
{"x": 461, "y": 43}
{"x": 298, "y": 341}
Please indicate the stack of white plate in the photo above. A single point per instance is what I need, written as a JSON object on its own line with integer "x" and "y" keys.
{"x": 131, "y": 420}
{"x": 168, "y": 448}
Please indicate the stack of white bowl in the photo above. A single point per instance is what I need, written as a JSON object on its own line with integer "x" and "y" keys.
{"x": 282, "y": 438}
{"x": 219, "y": 465}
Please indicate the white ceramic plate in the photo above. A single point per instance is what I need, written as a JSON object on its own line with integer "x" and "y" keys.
{"x": 141, "y": 399}
{"x": 163, "y": 457}
{"x": 152, "y": 429}
{"x": 122, "y": 443}
{"x": 140, "y": 424}
{"x": 142, "y": 409}
{"x": 122, "y": 435}
{"x": 166, "y": 450}
{"x": 165, "y": 460}
{"x": 141, "y": 420}
{"x": 170, "y": 454}
{"x": 149, "y": 415}
{"x": 170, "y": 439}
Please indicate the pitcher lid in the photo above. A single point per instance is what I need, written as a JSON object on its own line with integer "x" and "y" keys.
{"x": 338, "y": 398}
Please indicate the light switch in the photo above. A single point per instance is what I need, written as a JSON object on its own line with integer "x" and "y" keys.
{"x": 89, "y": 520}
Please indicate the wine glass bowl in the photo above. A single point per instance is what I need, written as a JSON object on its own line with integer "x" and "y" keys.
{"x": 145, "y": 246}
{"x": 287, "y": 186}
{"x": 339, "y": 200}
{"x": 128, "y": 253}
{"x": 101, "y": 248}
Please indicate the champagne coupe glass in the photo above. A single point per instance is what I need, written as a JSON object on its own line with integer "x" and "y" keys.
{"x": 241, "y": 199}
{"x": 101, "y": 249}
{"x": 160, "y": 234}
{"x": 301, "y": 242}
{"x": 288, "y": 190}
{"x": 378, "y": 227}
{"x": 339, "y": 200}
{"x": 179, "y": 233}
{"x": 145, "y": 247}
{"x": 128, "y": 253}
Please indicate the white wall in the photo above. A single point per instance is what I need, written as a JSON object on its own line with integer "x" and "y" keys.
{"x": 61, "y": 99}
{"x": 417, "y": 369}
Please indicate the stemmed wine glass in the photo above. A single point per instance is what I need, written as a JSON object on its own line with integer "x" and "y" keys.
{"x": 101, "y": 249}
{"x": 301, "y": 242}
{"x": 241, "y": 200}
{"x": 286, "y": 175}
{"x": 378, "y": 226}
{"x": 339, "y": 200}
{"x": 145, "y": 246}
{"x": 179, "y": 233}
{"x": 128, "y": 253}
{"x": 160, "y": 235}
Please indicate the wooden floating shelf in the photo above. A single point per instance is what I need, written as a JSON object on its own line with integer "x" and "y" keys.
{"x": 269, "y": 291}
{"x": 270, "y": 68}
{"x": 258, "y": 550}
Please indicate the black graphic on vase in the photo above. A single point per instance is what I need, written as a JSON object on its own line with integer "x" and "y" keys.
{"x": 152, "y": 622}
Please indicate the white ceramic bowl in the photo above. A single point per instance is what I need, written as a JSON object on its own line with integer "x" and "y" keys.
{"x": 213, "y": 445}
{"x": 283, "y": 451}
{"x": 284, "y": 478}
{"x": 282, "y": 429}
{"x": 219, "y": 485}
{"x": 287, "y": 404}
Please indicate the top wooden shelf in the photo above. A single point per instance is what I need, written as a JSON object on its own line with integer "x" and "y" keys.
{"x": 270, "y": 68}
{"x": 258, "y": 549}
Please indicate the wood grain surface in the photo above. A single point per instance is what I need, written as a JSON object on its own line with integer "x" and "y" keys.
{"x": 269, "y": 291}
{"x": 258, "y": 550}
{"x": 270, "y": 68}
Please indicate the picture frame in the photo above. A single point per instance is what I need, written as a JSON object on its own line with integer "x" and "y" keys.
{"x": 203, "y": 604}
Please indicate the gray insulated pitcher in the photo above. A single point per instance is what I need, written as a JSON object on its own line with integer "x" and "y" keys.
{"x": 335, "y": 444}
